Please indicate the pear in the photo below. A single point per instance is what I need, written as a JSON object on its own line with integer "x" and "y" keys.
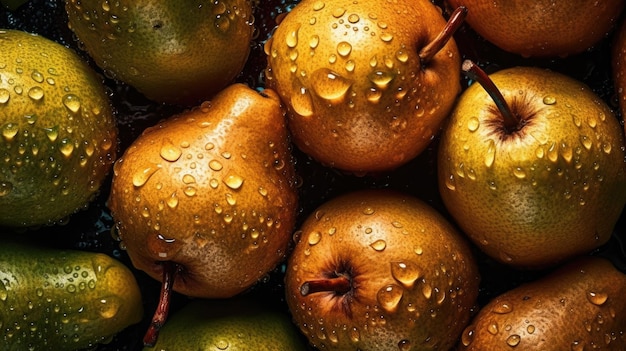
{"x": 378, "y": 270}
{"x": 63, "y": 300}
{"x": 239, "y": 323}
{"x": 542, "y": 28}
{"x": 179, "y": 53}
{"x": 206, "y": 200}
{"x": 366, "y": 83}
{"x": 578, "y": 307}
{"x": 58, "y": 132}
{"x": 536, "y": 174}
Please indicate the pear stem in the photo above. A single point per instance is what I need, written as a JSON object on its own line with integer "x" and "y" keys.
{"x": 511, "y": 120}
{"x": 170, "y": 270}
{"x": 340, "y": 284}
{"x": 454, "y": 22}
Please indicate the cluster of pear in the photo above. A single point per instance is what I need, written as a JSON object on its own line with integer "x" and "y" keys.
{"x": 529, "y": 168}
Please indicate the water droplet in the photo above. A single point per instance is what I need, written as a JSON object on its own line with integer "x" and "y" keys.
{"x": 503, "y": 308}
{"x": 302, "y": 102}
{"x": 222, "y": 344}
{"x": 141, "y": 177}
{"x": 386, "y": 37}
{"x": 381, "y": 79}
{"x": 66, "y": 147}
{"x": 329, "y": 85}
{"x": 318, "y": 5}
{"x": 553, "y": 152}
{"x": 389, "y": 297}
{"x": 586, "y": 141}
{"x": 473, "y": 124}
{"x": 492, "y": 328}
{"x": 35, "y": 93}
{"x": 72, "y": 102}
{"x": 578, "y": 346}
{"x": 338, "y": 12}
{"x": 519, "y": 173}
{"x": 597, "y": 298}
{"x": 9, "y": 131}
{"x": 314, "y": 237}
{"x": 109, "y": 307}
{"x": 451, "y": 182}
{"x": 530, "y": 329}
{"x": 427, "y": 291}
{"x": 222, "y": 23}
{"x": 292, "y": 38}
{"x": 5, "y": 188}
{"x": 404, "y": 345}
{"x": 5, "y": 95}
{"x": 513, "y": 340}
{"x": 233, "y": 181}
{"x": 490, "y": 156}
{"x": 215, "y": 165}
{"x": 170, "y": 152}
{"x": 344, "y": 48}
{"x": 468, "y": 335}
{"x": 190, "y": 191}
{"x": 314, "y": 41}
{"x": 379, "y": 245}
{"x": 406, "y": 273}
{"x": 172, "y": 201}
{"x": 549, "y": 100}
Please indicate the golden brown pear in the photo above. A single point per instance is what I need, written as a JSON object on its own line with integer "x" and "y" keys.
{"x": 542, "y": 185}
{"x": 364, "y": 89}
{"x": 542, "y": 28}
{"x": 211, "y": 189}
{"x": 578, "y": 307}
{"x": 377, "y": 270}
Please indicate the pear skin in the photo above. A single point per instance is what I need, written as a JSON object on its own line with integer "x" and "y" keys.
{"x": 379, "y": 270}
{"x": 578, "y": 307}
{"x": 63, "y": 300}
{"x": 212, "y": 190}
{"x": 232, "y": 324}
{"x": 361, "y": 94}
{"x": 551, "y": 188}
{"x": 543, "y": 28}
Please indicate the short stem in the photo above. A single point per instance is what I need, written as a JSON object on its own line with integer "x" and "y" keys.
{"x": 340, "y": 284}
{"x": 170, "y": 270}
{"x": 454, "y": 22}
{"x": 511, "y": 120}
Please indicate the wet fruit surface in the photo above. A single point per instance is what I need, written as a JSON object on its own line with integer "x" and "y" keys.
{"x": 91, "y": 229}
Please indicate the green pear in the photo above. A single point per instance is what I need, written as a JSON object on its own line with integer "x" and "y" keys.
{"x": 535, "y": 175}
{"x": 55, "y": 299}
{"x": 235, "y": 324}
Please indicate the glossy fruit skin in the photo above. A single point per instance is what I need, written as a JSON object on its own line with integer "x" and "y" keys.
{"x": 180, "y": 53}
{"x": 551, "y": 190}
{"x": 58, "y": 134}
{"x": 542, "y": 28}
{"x": 63, "y": 299}
{"x": 358, "y": 97}
{"x": 235, "y": 324}
{"x": 578, "y": 307}
{"x": 212, "y": 189}
{"x": 415, "y": 280}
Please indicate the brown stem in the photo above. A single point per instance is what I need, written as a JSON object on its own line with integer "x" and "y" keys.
{"x": 170, "y": 270}
{"x": 454, "y": 22}
{"x": 340, "y": 284}
{"x": 511, "y": 120}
